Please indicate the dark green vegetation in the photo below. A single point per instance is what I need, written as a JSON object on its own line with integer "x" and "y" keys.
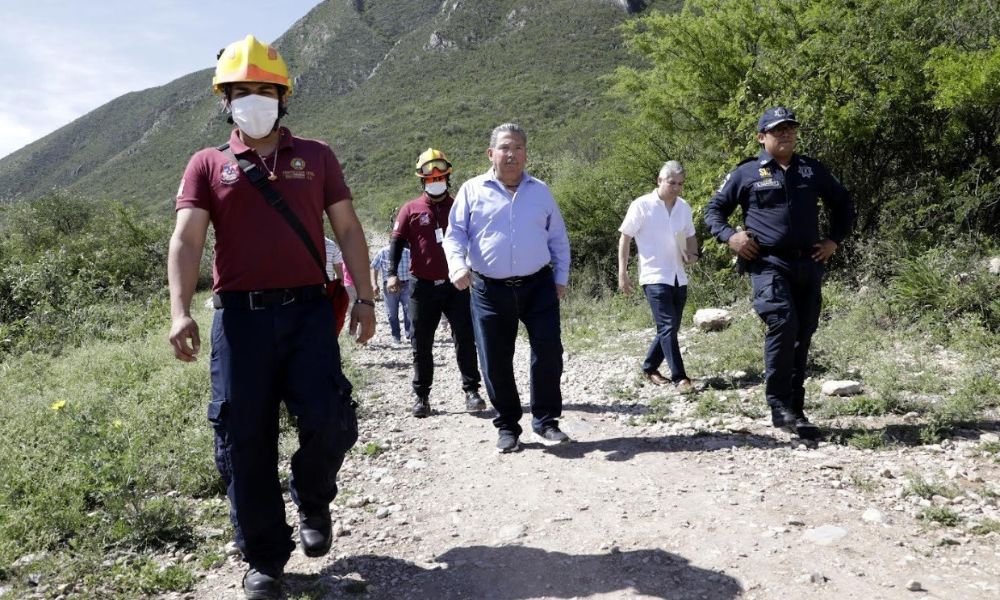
{"x": 899, "y": 98}
{"x": 105, "y": 455}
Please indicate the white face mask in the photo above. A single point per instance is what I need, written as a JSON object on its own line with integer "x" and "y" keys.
{"x": 437, "y": 188}
{"x": 255, "y": 115}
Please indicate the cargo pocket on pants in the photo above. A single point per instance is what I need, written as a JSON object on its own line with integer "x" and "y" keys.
{"x": 218, "y": 411}
{"x": 345, "y": 415}
{"x": 346, "y": 424}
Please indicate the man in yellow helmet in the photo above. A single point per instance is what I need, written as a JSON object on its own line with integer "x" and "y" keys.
{"x": 273, "y": 335}
{"x": 421, "y": 224}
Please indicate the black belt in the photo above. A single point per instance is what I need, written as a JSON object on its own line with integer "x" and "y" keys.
{"x": 516, "y": 281}
{"x": 786, "y": 253}
{"x": 432, "y": 281}
{"x": 261, "y": 299}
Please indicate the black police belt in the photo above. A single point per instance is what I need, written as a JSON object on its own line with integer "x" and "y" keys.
{"x": 785, "y": 253}
{"x": 261, "y": 299}
{"x": 516, "y": 281}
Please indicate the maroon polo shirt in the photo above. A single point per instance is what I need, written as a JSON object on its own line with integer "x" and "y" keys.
{"x": 255, "y": 248}
{"x": 416, "y": 223}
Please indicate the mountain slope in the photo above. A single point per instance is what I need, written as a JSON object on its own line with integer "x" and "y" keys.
{"x": 380, "y": 80}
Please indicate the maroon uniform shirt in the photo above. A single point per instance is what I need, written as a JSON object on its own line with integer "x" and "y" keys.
{"x": 417, "y": 223}
{"x": 255, "y": 248}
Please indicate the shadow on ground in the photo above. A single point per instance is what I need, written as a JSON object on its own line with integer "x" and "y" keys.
{"x": 516, "y": 573}
{"x": 377, "y": 364}
{"x": 909, "y": 434}
{"x": 626, "y": 448}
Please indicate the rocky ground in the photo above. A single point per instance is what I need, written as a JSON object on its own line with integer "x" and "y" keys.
{"x": 725, "y": 507}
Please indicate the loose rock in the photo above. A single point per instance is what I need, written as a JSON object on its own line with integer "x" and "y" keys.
{"x": 844, "y": 387}
{"x": 824, "y": 535}
{"x": 712, "y": 319}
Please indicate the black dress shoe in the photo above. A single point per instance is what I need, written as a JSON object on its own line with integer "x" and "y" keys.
{"x": 261, "y": 586}
{"x": 315, "y": 533}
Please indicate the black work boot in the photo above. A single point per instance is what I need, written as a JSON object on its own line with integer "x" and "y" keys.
{"x": 421, "y": 407}
{"x": 261, "y": 586}
{"x": 794, "y": 422}
{"x": 315, "y": 532}
{"x": 474, "y": 402}
{"x": 777, "y": 417}
{"x": 805, "y": 429}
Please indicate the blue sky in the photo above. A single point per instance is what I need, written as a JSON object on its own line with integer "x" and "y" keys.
{"x": 64, "y": 58}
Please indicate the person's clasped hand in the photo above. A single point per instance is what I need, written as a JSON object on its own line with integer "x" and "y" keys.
{"x": 822, "y": 251}
{"x": 743, "y": 244}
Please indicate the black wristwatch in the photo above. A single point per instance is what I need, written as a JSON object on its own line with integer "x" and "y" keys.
{"x": 370, "y": 303}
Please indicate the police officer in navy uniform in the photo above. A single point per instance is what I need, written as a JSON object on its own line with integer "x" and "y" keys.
{"x": 781, "y": 247}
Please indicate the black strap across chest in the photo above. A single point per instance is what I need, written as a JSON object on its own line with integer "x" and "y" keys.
{"x": 273, "y": 197}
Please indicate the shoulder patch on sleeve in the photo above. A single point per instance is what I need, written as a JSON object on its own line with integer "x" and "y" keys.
{"x": 722, "y": 185}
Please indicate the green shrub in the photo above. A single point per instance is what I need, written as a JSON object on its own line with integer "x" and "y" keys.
{"x": 940, "y": 514}
{"x": 871, "y": 440}
{"x": 986, "y": 526}
{"x": 864, "y": 406}
{"x": 72, "y": 269}
{"x": 943, "y": 284}
{"x": 919, "y": 486}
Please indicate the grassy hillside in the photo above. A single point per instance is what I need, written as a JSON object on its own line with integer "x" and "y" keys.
{"x": 368, "y": 80}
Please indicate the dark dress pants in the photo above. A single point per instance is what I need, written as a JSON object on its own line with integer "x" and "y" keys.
{"x": 427, "y": 303}
{"x": 260, "y": 358}
{"x": 496, "y": 310}
{"x": 787, "y": 297}
{"x": 667, "y": 303}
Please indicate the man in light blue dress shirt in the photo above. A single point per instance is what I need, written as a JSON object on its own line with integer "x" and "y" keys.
{"x": 507, "y": 240}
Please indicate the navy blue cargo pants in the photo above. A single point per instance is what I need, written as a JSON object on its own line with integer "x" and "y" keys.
{"x": 259, "y": 359}
{"x": 788, "y": 300}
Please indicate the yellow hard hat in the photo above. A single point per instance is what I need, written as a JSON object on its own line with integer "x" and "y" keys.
{"x": 432, "y": 163}
{"x": 252, "y": 60}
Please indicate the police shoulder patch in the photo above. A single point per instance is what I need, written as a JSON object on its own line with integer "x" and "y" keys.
{"x": 725, "y": 181}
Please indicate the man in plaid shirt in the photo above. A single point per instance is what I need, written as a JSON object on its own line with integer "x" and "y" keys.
{"x": 394, "y": 299}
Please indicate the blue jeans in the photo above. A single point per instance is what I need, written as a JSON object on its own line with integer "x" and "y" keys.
{"x": 667, "y": 303}
{"x": 788, "y": 300}
{"x": 259, "y": 359}
{"x": 496, "y": 310}
{"x": 393, "y": 302}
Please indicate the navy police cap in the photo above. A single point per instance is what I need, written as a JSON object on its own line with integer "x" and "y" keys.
{"x": 775, "y": 116}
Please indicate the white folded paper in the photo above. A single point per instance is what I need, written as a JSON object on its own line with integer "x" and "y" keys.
{"x": 681, "y": 240}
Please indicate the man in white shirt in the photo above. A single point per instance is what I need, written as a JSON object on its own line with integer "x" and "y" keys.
{"x": 334, "y": 260}
{"x": 661, "y": 224}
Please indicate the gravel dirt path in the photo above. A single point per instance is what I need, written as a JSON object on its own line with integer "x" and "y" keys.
{"x": 711, "y": 509}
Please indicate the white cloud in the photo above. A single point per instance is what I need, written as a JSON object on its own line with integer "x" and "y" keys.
{"x": 15, "y": 134}
{"x": 64, "y": 59}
